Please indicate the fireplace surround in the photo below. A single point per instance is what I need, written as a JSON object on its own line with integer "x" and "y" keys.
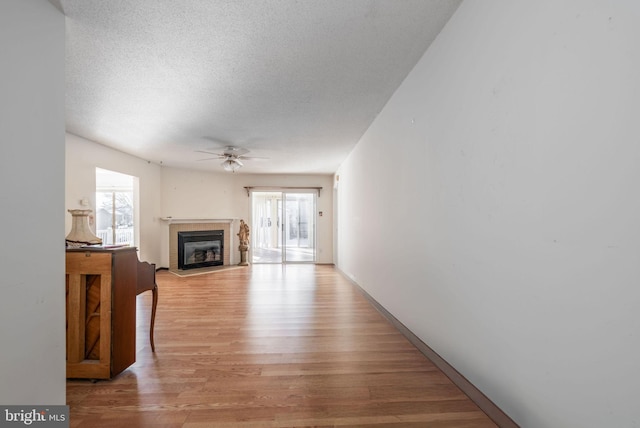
{"x": 172, "y": 226}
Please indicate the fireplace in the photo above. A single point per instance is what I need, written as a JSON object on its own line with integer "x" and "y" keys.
{"x": 201, "y": 248}
{"x": 176, "y": 225}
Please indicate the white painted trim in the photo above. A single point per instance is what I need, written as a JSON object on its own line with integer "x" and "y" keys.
{"x": 171, "y": 220}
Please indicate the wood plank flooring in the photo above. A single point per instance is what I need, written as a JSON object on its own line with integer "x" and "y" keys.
{"x": 270, "y": 346}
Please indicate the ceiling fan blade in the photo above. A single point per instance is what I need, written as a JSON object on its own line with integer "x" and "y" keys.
{"x": 252, "y": 158}
{"x": 210, "y": 153}
{"x": 207, "y": 159}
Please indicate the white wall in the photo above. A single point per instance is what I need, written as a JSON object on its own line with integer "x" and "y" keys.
{"x": 82, "y": 159}
{"x": 199, "y": 194}
{"x": 32, "y": 336}
{"x": 506, "y": 191}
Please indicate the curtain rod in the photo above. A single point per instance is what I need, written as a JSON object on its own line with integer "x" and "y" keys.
{"x": 275, "y": 188}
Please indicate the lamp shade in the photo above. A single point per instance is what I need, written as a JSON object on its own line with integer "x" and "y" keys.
{"x": 231, "y": 164}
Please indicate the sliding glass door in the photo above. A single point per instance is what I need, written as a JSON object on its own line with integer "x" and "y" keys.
{"x": 299, "y": 227}
{"x": 265, "y": 238}
{"x": 284, "y": 229}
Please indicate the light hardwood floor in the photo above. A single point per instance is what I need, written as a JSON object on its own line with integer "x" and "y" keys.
{"x": 270, "y": 346}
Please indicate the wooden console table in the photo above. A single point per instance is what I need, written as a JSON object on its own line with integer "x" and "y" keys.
{"x": 101, "y": 288}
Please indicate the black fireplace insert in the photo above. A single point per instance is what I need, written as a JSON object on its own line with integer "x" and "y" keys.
{"x": 200, "y": 248}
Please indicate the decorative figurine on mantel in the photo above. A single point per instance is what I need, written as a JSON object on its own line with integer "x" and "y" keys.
{"x": 81, "y": 234}
{"x": 243, "y": 235}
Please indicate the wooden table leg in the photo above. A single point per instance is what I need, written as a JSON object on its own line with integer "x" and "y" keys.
{"x": 154, "y": 291}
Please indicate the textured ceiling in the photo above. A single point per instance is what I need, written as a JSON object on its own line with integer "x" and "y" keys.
{"x": 295, "y": 81}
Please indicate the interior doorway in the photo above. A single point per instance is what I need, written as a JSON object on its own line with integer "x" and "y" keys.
{"x": 283, "y": 227}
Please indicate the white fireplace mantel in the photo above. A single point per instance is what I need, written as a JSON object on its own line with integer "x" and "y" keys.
{"x": 183, "y": 220}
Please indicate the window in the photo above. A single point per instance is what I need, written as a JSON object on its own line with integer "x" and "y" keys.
{"x": 115, "y": 208}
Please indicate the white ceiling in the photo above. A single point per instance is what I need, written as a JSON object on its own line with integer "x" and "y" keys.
{"x": 296, "y": 81}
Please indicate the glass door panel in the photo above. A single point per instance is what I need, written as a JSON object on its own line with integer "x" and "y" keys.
{"x": 299, "y": 227}
{"x": 266, "y": 236}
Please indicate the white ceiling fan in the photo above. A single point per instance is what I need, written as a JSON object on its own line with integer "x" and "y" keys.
{"x": 233, "y": 157}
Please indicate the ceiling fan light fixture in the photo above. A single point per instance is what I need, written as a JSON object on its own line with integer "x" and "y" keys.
{"x": 231, "y": 164}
